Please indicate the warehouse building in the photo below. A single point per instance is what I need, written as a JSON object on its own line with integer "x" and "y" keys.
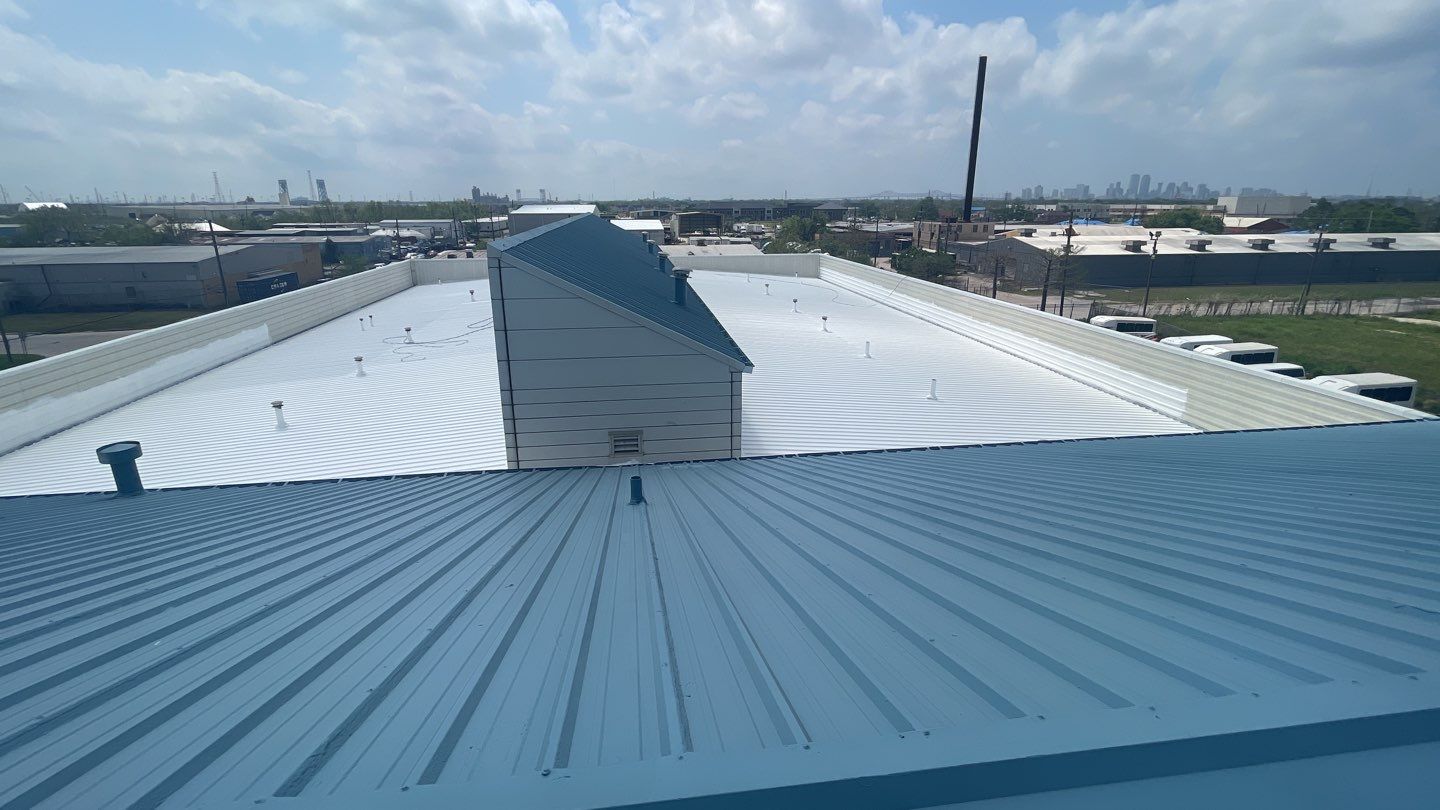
{"x": 1200, "y": 606}
{"x": 1285, "y": 207}
{"x": 78, "y": 278}
{"x": 687, "y": 223}
{"x": 1187, "y": 260}
{"x": 533, "y": 216}
{"x": 332, "y": 248}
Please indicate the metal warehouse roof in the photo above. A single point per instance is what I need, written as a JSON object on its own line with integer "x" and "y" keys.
{"x": 572, "y": 209}
{"x": 814, "y": 390}
{"x": 896, "y": 629}
{"x": 145, "y": 254}
{"x": 611, "y": 264}
{"x": 638, "y": 224}
{"x": 430, "y": 406}
{"x": 1174, "y": 243}
{"x": 436, "y": 407}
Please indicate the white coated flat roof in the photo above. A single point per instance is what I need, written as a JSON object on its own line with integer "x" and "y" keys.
{"x": 814, "y": 391}
{"x": 638, "y": 224}
{"x": 426, "y": 407}
{"x": 554, "y": 209}
{"x": 435, "y": 407}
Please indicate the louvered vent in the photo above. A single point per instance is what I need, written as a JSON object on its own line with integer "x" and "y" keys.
{"x": 625, "y": 443}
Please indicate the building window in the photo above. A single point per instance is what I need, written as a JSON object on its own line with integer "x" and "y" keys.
{"x": 625, "y": 443}
{"x": 130, "y": 292}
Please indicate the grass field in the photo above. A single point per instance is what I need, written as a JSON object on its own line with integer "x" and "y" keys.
{"x": 19, "y": 360}
{"x": 1327, "y": 344}
{"x": 56, "y": 322}
{"x": 1285, "y": 292}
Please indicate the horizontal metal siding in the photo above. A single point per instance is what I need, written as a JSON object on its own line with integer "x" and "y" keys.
{"x": 232, "y": 645}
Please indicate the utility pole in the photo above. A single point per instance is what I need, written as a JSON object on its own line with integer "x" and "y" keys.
{"x": 214, "y": 243}
{"x": 1065, "y": 268}
{"x": 995, "y": 282}
{"x": 1310, "y": 277}
{"x": 1150, "y": 272}
{"x": 5, "y": 336}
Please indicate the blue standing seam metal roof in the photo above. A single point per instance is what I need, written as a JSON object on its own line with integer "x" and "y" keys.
{"x": 777, "y": 626}
{"x": 615, "y": 265}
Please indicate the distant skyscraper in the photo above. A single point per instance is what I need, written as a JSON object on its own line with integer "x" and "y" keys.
{"x": 284, "y": 192}
{"x": 1170, "y": 190}
{"x": 1145, "y": 186}
{"x": 1134, "y": 187}
{"x": 321, "y": 190}
{"x": 1203, "y": 192}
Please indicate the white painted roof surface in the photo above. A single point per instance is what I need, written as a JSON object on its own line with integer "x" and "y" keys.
{"x": 638, "y": 224}
{"x": 835, "y": 631}
{"x": 1367, "y": 378}
{"x": 431, "y": 407}
{"x": 571, "y": 209}
{"x": 711, "y": 250}
{"x": 814, "y": 391}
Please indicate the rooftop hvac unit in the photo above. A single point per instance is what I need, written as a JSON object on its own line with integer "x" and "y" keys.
{"x": 1261, "y": 244}
{"x": 1134, "y": 245}
{"x": 1382, "y": 242}
{"x": 1195, "y": 341}
{"x": 1197, "y": 244}
{"x": 1128, "y": 324}
{"x": 1322, "y": 242}
{"x": 1384, "y": 387}
{"x": 1247, "y": 354}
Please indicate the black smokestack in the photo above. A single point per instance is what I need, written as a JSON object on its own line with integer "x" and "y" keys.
{"x": 975, "y": 137}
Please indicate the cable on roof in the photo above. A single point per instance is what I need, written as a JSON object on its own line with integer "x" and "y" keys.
{"x": 410, "y": 350}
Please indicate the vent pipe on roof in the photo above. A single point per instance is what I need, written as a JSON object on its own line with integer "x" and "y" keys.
{"x": 867, "y": 350}
{"x": 279, "y": 406}
{"x": 408, "y": 339}
{"x": 824, "y": 323}
{"x": 794, "y": 304}
{"x": 362, "y": 324}
{"x": 934, "y": 389}
{"x": 767, "y": 289}
{"x": 472, "y": 295}
{"x": 120, "y": 458}
{"x": 637, "y": 490}
{"x": 372, "y": 320}
{"x": 359, "y": 366}
{"x": 680, "y": 276}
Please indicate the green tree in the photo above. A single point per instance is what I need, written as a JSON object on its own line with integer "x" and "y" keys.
{"x": 48, "y": 226}
{"x": 1362, "y": 216}
{"x": 926, "y": 210}
{"x": 1186, "y": 218}
{"x": 796, "y": 235}
{"x": 923, "y": 264}
{"x": 1010, "y": 212}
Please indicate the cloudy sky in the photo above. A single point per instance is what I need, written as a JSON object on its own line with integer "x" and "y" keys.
{"x": 714, "y": 98}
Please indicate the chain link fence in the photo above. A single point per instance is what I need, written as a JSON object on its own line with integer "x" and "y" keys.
{"x": 1237, "y": 308}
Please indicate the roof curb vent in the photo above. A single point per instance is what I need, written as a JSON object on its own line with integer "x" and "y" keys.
{"x": 681, "y": 275}
{"x": 1198, "y": 244}
{"x": 120, "y": 457}
{"x": 1381, "y": 242}
{"x": 1260, "y": 244}
{"x": 1026, "y": 231}
{"x": 1321, "y": 242}
{"x": 1133, "y": 245}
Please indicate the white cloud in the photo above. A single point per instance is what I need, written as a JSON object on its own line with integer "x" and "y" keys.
{"x": 817, "y": 96}
{"x": 707, "y": 110}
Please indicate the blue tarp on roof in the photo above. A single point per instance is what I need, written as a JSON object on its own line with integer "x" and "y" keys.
{"x": 619, "y": 267}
